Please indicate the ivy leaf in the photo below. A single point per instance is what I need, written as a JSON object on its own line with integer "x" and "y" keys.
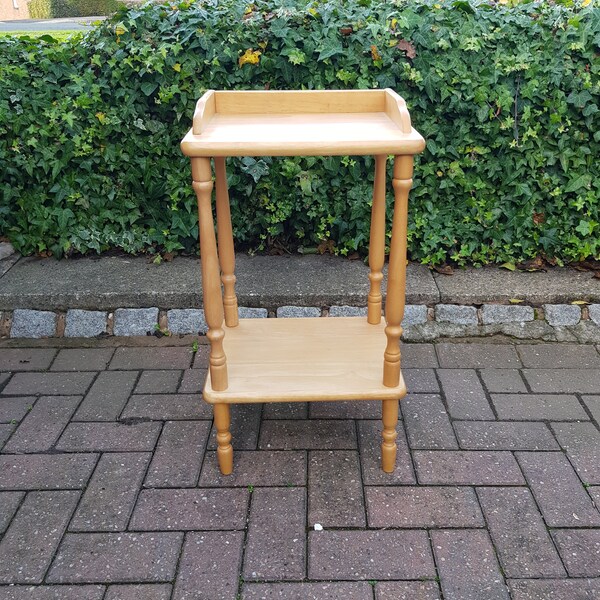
{"x": 576, "y": 184}
{"x": 408, "y": 48}
{"x": 148, "y": 87}
{"x": 508, "y": 265}
{"x": 331, "y": 48}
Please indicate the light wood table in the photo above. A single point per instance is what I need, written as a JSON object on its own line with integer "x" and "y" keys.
{"x": 275, "y": 360}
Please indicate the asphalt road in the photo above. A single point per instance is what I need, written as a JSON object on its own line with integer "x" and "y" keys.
{"x": 78, "y": 23}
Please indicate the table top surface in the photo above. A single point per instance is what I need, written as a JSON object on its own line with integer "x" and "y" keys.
{"x": 301, "y": 123}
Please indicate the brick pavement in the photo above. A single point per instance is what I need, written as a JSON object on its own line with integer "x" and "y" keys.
{"x": 109, "y": 488}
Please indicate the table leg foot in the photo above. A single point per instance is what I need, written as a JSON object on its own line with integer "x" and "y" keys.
{"x": 388, "y": 446}
{"x": 224, "y": 447}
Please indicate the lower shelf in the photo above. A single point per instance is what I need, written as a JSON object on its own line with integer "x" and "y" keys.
{"x": 299, "y": 360}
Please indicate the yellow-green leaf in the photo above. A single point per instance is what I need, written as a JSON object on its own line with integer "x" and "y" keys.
{"x": 579, "y": 302}
{"x": 177, "y": 67}
{"x": 515, "y": 301}
{"x": 509, "y": 266}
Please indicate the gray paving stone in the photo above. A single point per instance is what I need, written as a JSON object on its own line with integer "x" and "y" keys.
{"x": 558, "y": 356}
{"x": 209, "y": 566}
{"x": 245, "y": 425}
{"x": 135, "y": 321}
{"x": 407, "y": 590}
{"x": 520, "y": 537}
{"x": 414, "y": 314}
{"x": 500, "y": 313}
{"x": 45, "y": 471}
{"x": 418, "y": 356}
{"x": 200, "y": 360}
{"x": 107, "y": 396}
{"x": 421, "y": 381}
{"x": 421, "y": 506}
{"x": 460, "y": 467}
{"x": 370, "y": 555}
{"x": 453, "y": 313}
{"x": 9, "y": 502}
{"x": 26, "y": 359}
{"x": 335, "y": 491}
{"x": 143, "y": 591}
{"x": 557, "y": 490}
{"x": 464, "y": 394}
{"x": 363, "y": 409}
{"x": 477, "y": 356}
{"x": 580, "y": 551}
{"x": 109, "y": 498}
{"x": 192, "y": 381}
{"x": 427, "y": 422}
{"x": 592, "y": 403}
{"x": 538, "y": 407}
{"x": 467, "y": 565}
{"x": 307, "y": 435}
{"x": 4, "y": 377}
{"x": 186, "y": 320}
{"x": 503, "y": 381}
{"x": 116, "y": 558}
{"x": 245, "y": 312}
{"x": 168, "y": 357}
{"x": 257, "y": 468}
{"x": 582, "y": 443}
{"x": 85, "y": 323}
{"x": 323, "y": 590}
{"x": 52, "y": 592}
{"x": 178, "y": 456}
{"x": 158, "y": 382}
{"x": 348, "y": 311}
{"x": 34, "y": 534}
{"x": 109, "y": 437}
{"x": 82, "y": 359}
{"x": 32, "y": 323}
{"x": 6, "y": 430}
{"x": 190, "y": 509}
{"x": 561, "y": 315}
{"x": 163, "y": 407}
{"x": 504, "y": 435}
{"x": 43, "y": 425}
{"x": 594, "y": 310}
{"x": 286, "y": 312}
{"x": 555, "y": 589}
{"x": 285, "y": 410}
{"x": 369, "y": 433}
{"x": 14, "y": 409}
{"x": 563, "y": 381}
{"x": 50, "y": 384}
{"x": 276, "y": 540}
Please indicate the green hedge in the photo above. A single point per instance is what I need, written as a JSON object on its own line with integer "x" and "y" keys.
{"x": 507, "y": 98}
{"x": 52, "y": 9}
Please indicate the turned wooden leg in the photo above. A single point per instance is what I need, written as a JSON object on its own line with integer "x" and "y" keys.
{"x": 211, "y": 281}
{"x": 377, "y": 242}
{"x": 394, "y": 306}
{"x": 226, "y": 250}
{"x": 224, "y": 447}
{"x": 388, "y": 446}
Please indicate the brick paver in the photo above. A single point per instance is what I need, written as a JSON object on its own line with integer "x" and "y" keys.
{"x": 371, "y": 555}
{"x": 519, "y": 533}
{"x": 116, "y": 557}
{"x": 210, "y": 566}
{"x": 427, "y": 423}
{"x": 276, "y": 543}
{"x": 465, "y": 395}
{"x": 111, "y": 493}
{"x": 28, "y": 545}
{"x": 110, "y": 487}
{"x": 558, "y": 491}
{"x": 43, "y": 425}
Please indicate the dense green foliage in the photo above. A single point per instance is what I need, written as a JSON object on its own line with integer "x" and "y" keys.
{"x": 52, "y": 9}
{"x": 507, "y": 97}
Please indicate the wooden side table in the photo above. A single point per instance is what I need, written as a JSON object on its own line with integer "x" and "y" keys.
{"x": 274, "y": 360}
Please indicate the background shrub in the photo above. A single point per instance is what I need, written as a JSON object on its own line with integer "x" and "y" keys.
{"x": 507, "y": 98}
{"x": 49, "y": 9}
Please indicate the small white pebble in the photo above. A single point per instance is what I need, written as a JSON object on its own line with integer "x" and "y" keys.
{"x": 318, "y": 527}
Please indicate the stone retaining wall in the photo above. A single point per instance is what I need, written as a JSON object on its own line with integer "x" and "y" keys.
{"x": 549, "y": 322}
